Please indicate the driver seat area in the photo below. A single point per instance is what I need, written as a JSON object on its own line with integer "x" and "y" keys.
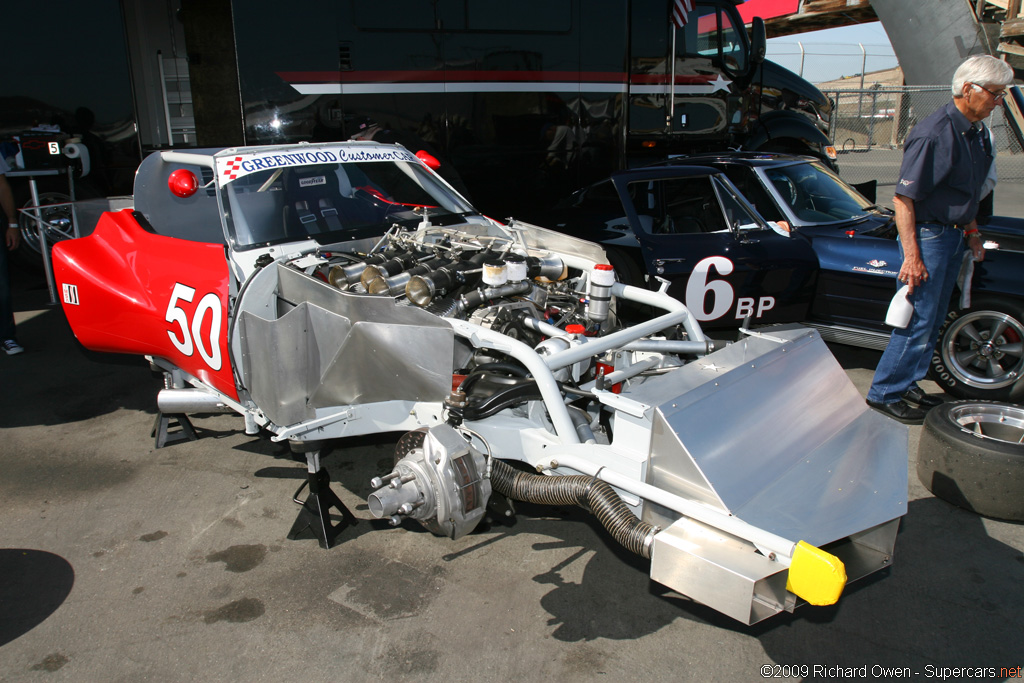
{"x": 316, "y": 202}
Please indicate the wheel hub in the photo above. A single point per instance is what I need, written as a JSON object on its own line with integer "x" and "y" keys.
{"x": 982, "y": 349}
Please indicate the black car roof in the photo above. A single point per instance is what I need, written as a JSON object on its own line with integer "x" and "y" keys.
{"x": 759, "y": 159}
{"x": 661, "y": 169}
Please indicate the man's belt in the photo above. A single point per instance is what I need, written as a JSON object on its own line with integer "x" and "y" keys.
{"x": 958, "y": 226}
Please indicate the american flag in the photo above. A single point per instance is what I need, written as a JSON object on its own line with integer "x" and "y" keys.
{"x": 680, "y": 8}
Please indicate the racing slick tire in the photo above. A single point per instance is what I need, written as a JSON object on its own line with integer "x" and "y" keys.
{"x": 971, "y": 454}
{"x": 980, "y": 351}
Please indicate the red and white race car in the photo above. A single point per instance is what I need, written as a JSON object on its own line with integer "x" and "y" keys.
{"x": 328, "y": 291}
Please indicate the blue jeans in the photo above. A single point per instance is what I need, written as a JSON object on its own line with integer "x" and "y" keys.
{"x": 6, "y": 308}
{"x": 909, "y": 352}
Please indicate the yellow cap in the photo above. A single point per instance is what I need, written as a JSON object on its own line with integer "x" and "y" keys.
{"x": 816, "y": 576}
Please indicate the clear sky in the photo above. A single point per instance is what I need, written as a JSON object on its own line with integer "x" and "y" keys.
{"x": 833, "y": 53}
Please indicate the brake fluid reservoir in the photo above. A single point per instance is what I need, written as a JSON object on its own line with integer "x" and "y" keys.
{"x": 495, "y": 273}
{"x": 602, "y": 277}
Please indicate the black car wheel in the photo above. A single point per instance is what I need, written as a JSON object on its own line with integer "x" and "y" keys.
{"x": 626, "y": 269}
{"x": 971, "y": 454}
{"x": 980, "y": 352}
{"x": 628, "y": 273}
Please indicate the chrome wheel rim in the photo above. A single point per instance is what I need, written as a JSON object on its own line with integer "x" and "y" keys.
{"x": 985, "y": 349}
{"x": 60, "y": 225}
{"x": 994, "y": 421}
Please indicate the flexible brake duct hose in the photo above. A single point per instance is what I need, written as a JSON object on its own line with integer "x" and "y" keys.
{"x": 587, "y": 492}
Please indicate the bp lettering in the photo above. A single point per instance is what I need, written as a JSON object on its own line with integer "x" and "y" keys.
{"x": 704, "y": 290}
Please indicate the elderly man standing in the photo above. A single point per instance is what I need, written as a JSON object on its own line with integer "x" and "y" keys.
{"x": 946, "y": 158}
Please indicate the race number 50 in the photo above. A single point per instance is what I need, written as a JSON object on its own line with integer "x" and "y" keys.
{"x": 190, "y": 338}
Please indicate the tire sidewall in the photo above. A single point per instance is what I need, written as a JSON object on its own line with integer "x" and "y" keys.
{"x": 980, "y": 474}
{"x": 941, "y": 423}
{"x": 940, "y": 372}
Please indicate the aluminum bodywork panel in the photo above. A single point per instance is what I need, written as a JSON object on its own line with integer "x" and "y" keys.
{"x": 776, "y": 434}
{"x": 330, "y": 348}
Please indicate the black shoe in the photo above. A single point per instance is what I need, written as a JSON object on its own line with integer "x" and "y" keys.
{"x": 916, "y": 395}
{"x": 902, "y": 411}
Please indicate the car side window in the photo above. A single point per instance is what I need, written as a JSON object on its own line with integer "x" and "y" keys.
{"x": 737, "y": 213}
{"x": 751, "y": 188}
{"x": 677, "y": 206}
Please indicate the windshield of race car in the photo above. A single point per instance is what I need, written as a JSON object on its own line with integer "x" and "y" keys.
{"x": 814, "y": 194}
{"x": 299, "y": 197}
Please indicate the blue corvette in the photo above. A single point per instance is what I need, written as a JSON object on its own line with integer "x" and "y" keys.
{"x": 757, "y": 239}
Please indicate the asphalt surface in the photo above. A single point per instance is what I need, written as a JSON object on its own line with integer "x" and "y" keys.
{"x": 122, "y": 562}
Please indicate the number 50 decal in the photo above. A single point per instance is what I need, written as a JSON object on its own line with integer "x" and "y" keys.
{"x": 210, "y": 303}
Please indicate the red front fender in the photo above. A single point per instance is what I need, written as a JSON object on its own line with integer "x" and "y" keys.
{"x": 127, "y": 290}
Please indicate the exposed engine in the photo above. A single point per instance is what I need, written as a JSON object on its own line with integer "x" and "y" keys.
{"x": 488, "y": 281}
{"x": 441, "y": 478}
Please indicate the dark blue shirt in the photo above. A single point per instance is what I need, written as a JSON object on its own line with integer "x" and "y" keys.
{"x": 945, "y": 161}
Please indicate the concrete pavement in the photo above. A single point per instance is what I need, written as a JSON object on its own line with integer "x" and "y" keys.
{"x": 121, "y": 562}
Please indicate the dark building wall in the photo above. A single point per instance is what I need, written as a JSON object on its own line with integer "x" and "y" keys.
{"x": 213, "y": 71}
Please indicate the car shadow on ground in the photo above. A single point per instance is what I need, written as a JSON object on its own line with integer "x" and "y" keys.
{"x": 951, "y": 598}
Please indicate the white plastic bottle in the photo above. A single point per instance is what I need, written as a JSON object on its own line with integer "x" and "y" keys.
{"x": 900, "y": 309}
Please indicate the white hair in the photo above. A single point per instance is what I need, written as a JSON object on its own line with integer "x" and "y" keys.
{"x": 983, "y": 70}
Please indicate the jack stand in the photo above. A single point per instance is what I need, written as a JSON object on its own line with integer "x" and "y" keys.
{"x": 315, "y": 518}
{"x": 161, "y": 429}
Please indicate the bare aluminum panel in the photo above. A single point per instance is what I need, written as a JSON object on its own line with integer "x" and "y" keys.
{"x": 777, "y": 435}
{"x": 290, "y": 359}
{"x": 719, "y": 570}
{"x": 385, "y": 362}
{"x": 330, "y": 348}
{"x": 728, "y": 574}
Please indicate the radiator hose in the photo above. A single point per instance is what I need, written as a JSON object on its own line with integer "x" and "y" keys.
{"x": 587, "y": 492}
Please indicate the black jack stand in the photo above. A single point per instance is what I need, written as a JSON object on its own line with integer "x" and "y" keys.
{"x": 315, "y": 517}
{"x": 161, "y": 429}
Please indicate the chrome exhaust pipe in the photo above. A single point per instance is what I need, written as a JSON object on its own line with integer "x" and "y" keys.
{"x": 184, "y": 401}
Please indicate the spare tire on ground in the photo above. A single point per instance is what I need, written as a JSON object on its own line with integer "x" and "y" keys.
{"x": 971, "y": 454}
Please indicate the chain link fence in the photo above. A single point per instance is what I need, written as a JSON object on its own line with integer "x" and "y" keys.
{"x": 869, "y": 126}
